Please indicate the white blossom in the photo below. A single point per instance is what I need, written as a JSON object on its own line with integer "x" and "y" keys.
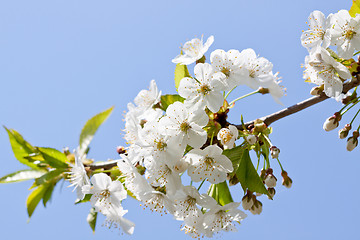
{"x": 318, "y": 33}
{"x": 78, "y": 176}
{"x": 222, "y": 218}
{"x": 148, "y": 98}
{"x": 208, "y": 163}
{"x": 115, "y": 219}
{"x": 345, "y": 33}
{"x": 230, "y": 64}
{"x": 184, "y": 125}
{"x": 227, "y": 136}
{"x": 105, "y": 192}
{"x": 321, "y": 68}
{"x": 205, "y": 90}
{"x": 193, "y": 50}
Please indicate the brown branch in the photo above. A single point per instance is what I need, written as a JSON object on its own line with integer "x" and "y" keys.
{"x": 269, "y": 119}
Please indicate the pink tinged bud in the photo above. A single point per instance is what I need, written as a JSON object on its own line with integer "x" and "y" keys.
{"x": 351, "y": 143}
{"x": 315, "y": 91}
{"x": 251, "y": 139}
{"x": 256, "y": 209}
{"x": 270, "y": 181}
{"x": 343, "y": 133}
{"x": 247, "y": 202}
{"x": 330, "y": 124}
{"x": 274, "y": 151}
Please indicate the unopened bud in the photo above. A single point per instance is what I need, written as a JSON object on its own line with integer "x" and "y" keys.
{"x": 251, "y": 139}
{"x": 259, "y": 126}
{"x": 247, "y": 201}
{"x": 343, "y": 133}
{"x": 263, "y": 90}
{"x": 271, "y": 192}
{"x": 256, "y": 208}
{"x": 287, "y": 182}
{"x": 352, "y": 142}
{"x": 332, "y": 122}
{"x": 270, "y": 181}
{"x": 263, "y": 174}
{"x": 315, "y": 91}
{"x": 274, "y": 151}
{"x": 120, "y": 150}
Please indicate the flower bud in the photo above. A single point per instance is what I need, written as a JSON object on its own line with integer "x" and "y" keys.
{"x": 270, "y": 181}
{"x": 271, "y": 193}
{"x": 343, "y": 133}
{"x": 263, "y": 174}
{"x": 332, "y": 122}
{"x": 251, "y": 139}
{"x": 259, "y": 126}
{"x": 247, "y": 201}
{"x": 286, "y": 181}
{"x": 120, "y": 150}
{"x": 256, "y": 208}
{"x": 352, "y": 142}
{"x": 274, "y": 151}
{"x": 315, "y": 91}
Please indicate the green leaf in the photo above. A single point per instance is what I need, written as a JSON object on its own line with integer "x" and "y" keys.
{"x": 48, "y": 192}
{"x": 245, "y": 170}
{"x": 34, "y": 198}
{"x": 22, "y": 175}
{"x": 221, "y": 193}
{"x": 54, "y": 157}
{"x": 168, "y": 99}
{"x": 91, "y": 219}
{"x": 50, "y": 176}
{"x": 355, "y": 8}
{"x": 247, "y": 175}
{"x": 90, "y": 128}
{"x": 21, "y": 148}
{"x": 181, "y": 71}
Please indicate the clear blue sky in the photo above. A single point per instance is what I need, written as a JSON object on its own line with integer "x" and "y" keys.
{"x": 61, "y": 62}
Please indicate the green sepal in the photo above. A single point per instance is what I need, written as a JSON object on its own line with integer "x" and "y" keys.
{"x": 85, "y": 199}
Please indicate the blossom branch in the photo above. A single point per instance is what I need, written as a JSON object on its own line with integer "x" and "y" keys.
{"x": 301, "y": 105}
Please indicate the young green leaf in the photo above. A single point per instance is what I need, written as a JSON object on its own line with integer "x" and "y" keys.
{"x": 168, "y": 99}
{"x": 91, "y": 219}
{"x": 48, "y": 192}
{"x": 22, "y": 175}
{"x": 355, "y": 8}
{"x": 221, "y": 193}
{"x": 21, "y": 148}
{"x": 34, "y": 198}
{"x": 49, "y": 177}
{"x": 181, "y": 71}
{"x": 90, "y": 128}
{"x": 54, "y": 157}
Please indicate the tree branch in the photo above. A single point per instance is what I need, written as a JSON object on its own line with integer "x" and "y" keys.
{"x": 269, "y": 119}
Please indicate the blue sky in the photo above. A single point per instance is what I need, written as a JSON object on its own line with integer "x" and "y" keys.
{"x": 62, "y": 62}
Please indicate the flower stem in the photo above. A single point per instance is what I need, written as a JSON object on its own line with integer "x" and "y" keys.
{"x": 201, "y": 184}
{"x": 354, "y": 117}
{"x": 229, "y": 92}
{"x": 246, "y": 95}
{"x": 356, "y": 102}
{"x": 280, "y": 164}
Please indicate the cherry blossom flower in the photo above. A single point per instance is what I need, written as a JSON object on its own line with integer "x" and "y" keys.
{"x": 227, "y": 136}
{"x": 318, "y": 33}
{"x": 321, "y": 68}
{"x": 193, "y": 50}
{"x": 184, "y": 125}
{"x": 221, "y": 218}
{"x": 78, "y": 176}
{"x": 105, "y": 192}
{"x": 115, "y": 219}
{"x": 148, "y": 98}
{"x": 208, "y": 163}
{"x": 230, "y": 64}
{"x": 205, "y": 90}
{"x": 345, "y": 33}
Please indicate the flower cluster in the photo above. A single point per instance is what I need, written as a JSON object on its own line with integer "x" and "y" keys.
{"x": 187, "y": 133}
{"x": 323, "y": 66}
